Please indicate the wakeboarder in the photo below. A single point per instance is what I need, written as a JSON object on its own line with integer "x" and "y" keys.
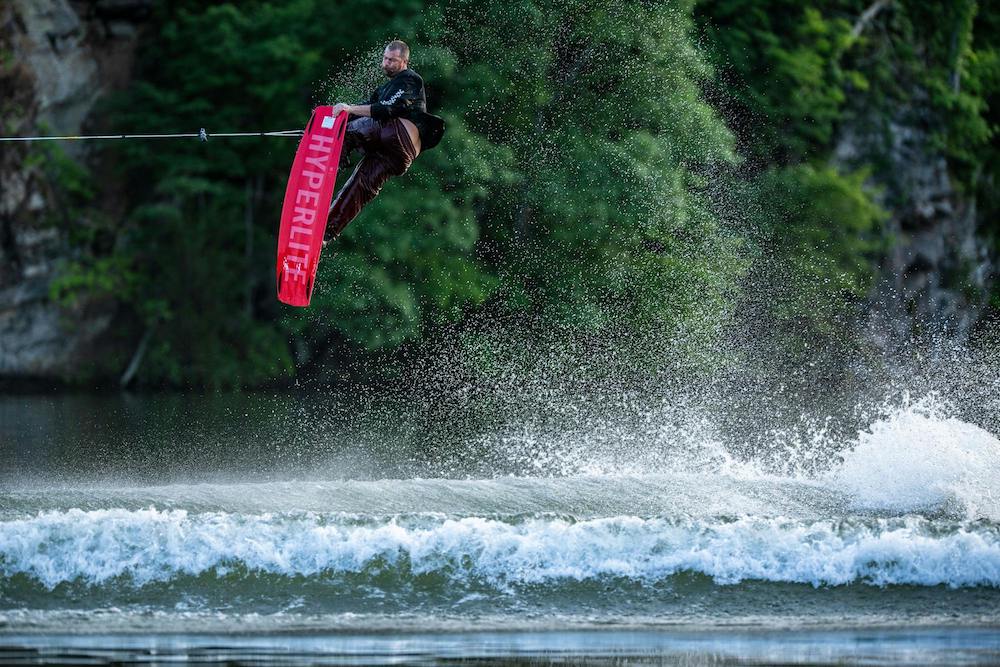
{"x": 391, "y": 129}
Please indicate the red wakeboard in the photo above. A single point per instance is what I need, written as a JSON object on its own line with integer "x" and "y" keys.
{"x": 307, "y": 203}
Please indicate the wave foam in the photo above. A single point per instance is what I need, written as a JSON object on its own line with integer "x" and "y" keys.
{"x": 152, "y": 545}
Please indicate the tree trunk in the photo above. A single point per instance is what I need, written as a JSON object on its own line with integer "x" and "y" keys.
{"x": 133, "y": 366}
{"x": 867, "y": 16}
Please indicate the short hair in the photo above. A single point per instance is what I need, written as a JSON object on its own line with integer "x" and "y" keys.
{"x": 399, "y": 45}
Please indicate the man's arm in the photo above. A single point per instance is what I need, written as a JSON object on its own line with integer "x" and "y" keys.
{"x": 353, "y": 109}
{"x": 395, "y": 101}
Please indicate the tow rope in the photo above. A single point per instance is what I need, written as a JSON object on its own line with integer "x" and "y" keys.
{"x": 201, "y": 135}
{"x": 307, "y": 195}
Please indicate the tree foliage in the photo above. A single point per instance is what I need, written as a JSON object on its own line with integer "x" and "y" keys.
{"x": 578, "y": 183}
{"x": 567, "y": 187}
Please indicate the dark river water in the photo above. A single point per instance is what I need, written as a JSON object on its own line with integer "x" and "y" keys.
{"x": 295, "y": 529}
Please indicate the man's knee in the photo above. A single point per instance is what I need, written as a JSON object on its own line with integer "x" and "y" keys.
{"x": 360, "y": 135}
{"x": 360, "y": 131}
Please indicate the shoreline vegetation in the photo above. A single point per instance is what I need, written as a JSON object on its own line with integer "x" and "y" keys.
{"x": 692, "y": 172}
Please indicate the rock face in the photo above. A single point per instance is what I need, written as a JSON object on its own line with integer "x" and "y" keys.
{"x": 933, "y": 280}
{"x": 65, "y": 57}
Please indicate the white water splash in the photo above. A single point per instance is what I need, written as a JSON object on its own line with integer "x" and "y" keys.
{"x": 920, "y": 459}
{"x": 914, "y": 458}
{"x": 151, "y": 545}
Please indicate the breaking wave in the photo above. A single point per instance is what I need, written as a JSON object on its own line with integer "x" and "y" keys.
{"x": 151, "y": 545}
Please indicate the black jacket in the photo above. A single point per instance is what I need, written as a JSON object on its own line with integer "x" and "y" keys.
{"x": 403, "y": 96}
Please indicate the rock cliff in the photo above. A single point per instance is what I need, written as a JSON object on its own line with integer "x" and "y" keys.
{"x": 59, "y": 59}
{"x": 933, "y": 280}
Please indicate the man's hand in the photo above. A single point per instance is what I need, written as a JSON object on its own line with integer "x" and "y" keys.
{"x": 339, "y": 107}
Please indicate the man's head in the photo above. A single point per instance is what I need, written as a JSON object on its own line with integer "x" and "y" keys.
{"x": 395, "y": 58}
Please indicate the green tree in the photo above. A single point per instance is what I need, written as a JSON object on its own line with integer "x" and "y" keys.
{"x": 201, "y": 234}
{"x": 822, "y": 228}
{"x": 781, "y": 82}
{"x": 569, "y": 185}
{"x": 601, "y": 109}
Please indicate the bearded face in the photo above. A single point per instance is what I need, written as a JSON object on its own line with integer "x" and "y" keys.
{"x": 392, "y": 63}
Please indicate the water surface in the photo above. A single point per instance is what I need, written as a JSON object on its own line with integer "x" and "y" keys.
{"x": 179, "y": 524}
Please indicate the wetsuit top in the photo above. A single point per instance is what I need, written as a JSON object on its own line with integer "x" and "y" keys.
{"x": 403, "y": 96}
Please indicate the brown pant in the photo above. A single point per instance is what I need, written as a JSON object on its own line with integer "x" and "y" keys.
{"x": 388, "y": 151}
